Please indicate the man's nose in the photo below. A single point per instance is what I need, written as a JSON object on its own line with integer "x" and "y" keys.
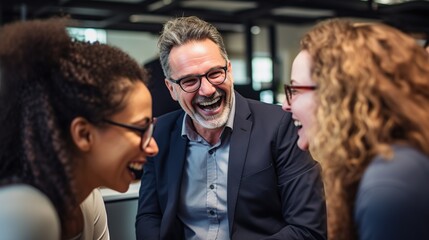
{"x": 206, "y": 88}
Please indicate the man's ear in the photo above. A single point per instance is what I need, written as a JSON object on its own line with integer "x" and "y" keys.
{"x": 171, "y": 89}
{"x": 81, "y": 133}
{"x": 230, "y": 72}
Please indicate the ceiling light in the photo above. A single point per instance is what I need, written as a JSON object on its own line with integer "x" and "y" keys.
{"x": 230, "y": 6}
{"x": 389, "y": 2}
{"x": 139, "y": 18}
{"x": 302, "y": 12}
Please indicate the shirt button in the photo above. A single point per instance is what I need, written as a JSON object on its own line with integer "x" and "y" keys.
{"x": 211, "y": 186}
{"x": 212, "y": 212}
{"x": 210, "y": 151}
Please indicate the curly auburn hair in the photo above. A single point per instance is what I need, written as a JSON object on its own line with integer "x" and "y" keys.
{"x": 47, "y": 80}
{"x": 373, "y": 89}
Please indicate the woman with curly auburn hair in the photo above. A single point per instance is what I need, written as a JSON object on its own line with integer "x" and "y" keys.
{"x": 359, "y": 93}
{"x": 74, "y": 116}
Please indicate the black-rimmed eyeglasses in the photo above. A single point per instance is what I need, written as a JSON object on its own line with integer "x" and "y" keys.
{"x": 145, "y": 132}
{"x": 192, "y": 83}
{"x": 292, "y": 90}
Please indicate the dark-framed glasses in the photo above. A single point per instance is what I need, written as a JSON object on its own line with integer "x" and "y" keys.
{"x": 145, "y": 132}
{"x": 192, "y": 83}
{"x": 292, "y": 90}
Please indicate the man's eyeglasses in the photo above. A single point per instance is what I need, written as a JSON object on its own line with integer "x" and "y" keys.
{"x": 292, "y": 90}
{"x": 145, "y": 132}
{"x": 192, "y": 83}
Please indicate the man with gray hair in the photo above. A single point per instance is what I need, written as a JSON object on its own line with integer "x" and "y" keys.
{"x": 228, "y": 167}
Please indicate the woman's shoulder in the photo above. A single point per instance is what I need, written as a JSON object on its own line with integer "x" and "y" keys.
{"x": 27, "y": 213}
{"x": 95, "y": 217}
{"x": 407, "y": 168}
{"x": 391, "y": 201}
{"x": 396, "y": 181}
{"x": 94, "y": 200}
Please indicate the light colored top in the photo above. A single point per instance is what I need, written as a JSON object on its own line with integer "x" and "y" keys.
{"x": 26, "y": 213}
{"x": 94, "y": 218}
{"x": 203, "y": 196}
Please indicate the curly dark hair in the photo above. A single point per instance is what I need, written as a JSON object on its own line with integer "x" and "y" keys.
{"x": 47, "y": 80}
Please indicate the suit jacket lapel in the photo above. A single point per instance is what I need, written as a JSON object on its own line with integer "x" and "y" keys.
{"x": 176, "y": 162}
{"x": 237, "y": 154}
{"x": 177, "y": 156}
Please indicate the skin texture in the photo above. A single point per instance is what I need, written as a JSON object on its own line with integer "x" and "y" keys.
{"x": 302, "y": 103}
{"x": 198, "y": 57}
{"x": 107, "y": 151}
{"x": 372, "y": 81}
{"x": 259, "y": 162}
{"x": 55, "y": 105}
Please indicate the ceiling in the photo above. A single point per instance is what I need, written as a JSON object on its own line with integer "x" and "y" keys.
{"x": 148, "y": 15}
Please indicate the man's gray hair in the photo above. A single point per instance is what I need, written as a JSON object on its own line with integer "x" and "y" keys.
{"x": 182, "y": 30}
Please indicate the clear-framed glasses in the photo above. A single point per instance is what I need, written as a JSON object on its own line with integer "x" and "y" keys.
{"x": 292, "y": 90}
{"x": 145, "y": 132}
{"x": 192, "y": 83}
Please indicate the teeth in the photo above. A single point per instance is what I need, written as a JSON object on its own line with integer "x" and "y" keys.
{"x": 135, "y": 166}
{"x": 209, "y": 103}
{"x": 297, "y": 123}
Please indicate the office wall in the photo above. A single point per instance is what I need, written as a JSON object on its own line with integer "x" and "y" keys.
{"x": 140, "y": 45}
{"x": 288, "y": 37}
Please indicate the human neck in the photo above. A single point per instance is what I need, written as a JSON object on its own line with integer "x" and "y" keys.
{"x": 212, "y": 136}
{"x": 84, "y": 184}
{"x": 73, "y": 225}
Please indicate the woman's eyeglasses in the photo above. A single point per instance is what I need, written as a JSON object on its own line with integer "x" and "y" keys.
{"x": 145, "y": 132}
{"x": 292, "y": 90}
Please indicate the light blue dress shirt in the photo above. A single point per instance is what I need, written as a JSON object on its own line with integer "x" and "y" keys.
{"x": 203, "y": 196}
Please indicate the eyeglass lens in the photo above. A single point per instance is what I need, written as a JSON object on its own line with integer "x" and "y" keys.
{"x": 288, "y": 94}
{"x": 193, "y": 83}
{"x": 146, "y": 136}
{"x": 290, "y": 91}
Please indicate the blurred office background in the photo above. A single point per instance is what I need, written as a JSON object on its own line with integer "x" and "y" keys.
{"x": 261, "y": 36}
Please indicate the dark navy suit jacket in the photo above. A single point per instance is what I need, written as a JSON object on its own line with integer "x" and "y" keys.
{"x": 274, "y": 189}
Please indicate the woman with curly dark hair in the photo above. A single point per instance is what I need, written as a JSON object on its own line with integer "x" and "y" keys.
{"x": 74, "y": 116}
{"x": 359, "y": 94}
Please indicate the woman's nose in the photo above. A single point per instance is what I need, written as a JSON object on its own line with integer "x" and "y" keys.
{"x": 286, "y": 106}
{"x": 152, "y": 148}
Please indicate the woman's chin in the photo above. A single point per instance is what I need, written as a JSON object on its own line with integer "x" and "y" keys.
{"x": 303, "y": 144}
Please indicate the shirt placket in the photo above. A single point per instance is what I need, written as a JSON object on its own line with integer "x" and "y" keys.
{"x": 211, "y": 195}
